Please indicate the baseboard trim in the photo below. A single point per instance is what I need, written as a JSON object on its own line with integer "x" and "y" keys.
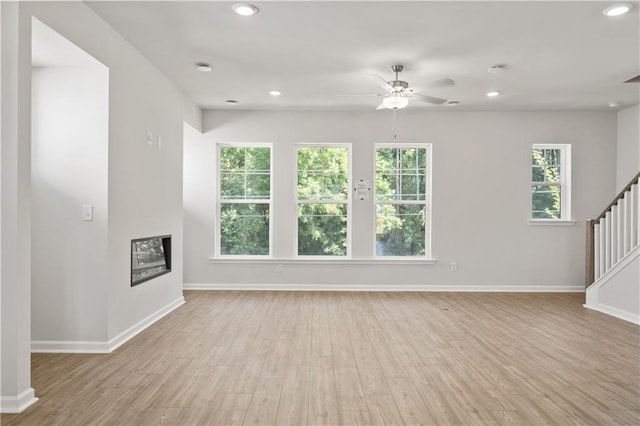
{"x": 615, "y": 312}
{"x": 19, "y": 403}
{"x": 71, "y": 347}
{"x": 131, "y": 332}
{"x": 104, "y": 347}
{"x": 369, "y": 287}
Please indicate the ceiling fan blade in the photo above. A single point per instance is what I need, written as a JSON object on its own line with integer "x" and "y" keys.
{"x": 443, "y": 82}
{"x": 381, "y": 82}
{"x": 381, "y": 106}
{"x": 430, "y": 99}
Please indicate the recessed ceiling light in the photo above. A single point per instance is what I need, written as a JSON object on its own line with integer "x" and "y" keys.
{"x": 245, "y": 9}
{"x": 203, "y": 67}
{"x": 231, "y": 102}
{"x": 494, "y": 69}
{"x": 453, "y": 103}
{"x": 493, "y": 93}
{"x": 618, "y": 9}
{"x": 615, "y": 104}
{"x": 274, "y": 93}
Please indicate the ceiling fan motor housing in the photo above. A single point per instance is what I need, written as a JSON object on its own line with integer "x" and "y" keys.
{"x": 398, "y": 85}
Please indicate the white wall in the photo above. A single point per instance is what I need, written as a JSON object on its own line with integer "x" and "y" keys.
{"x": 628, "y": 149}
{"x": 198, "y": 200}
{"x": 144, "y": 182}
{"x": 15, "y": 377}
{"x": 617, "y": 292}
{"x": 69, "y": 149}
{"x": 481, "y": 195}
{"x": 622, "y": 292}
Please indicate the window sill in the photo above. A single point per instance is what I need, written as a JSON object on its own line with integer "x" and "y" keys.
{"x": 551, "y": 222}
{"x": 322, "y": 261}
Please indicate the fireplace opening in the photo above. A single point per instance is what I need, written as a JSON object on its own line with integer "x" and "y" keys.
{"x": 150, "y": 258}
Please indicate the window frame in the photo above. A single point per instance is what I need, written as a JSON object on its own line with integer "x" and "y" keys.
{"x": 347, "y": 202}
{"x": 428, "y": 199}
{"x": 564, "y": 183}
{"x": 220, "y": 201}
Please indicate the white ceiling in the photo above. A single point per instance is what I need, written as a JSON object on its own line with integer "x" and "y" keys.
{"x": 559, "y": 55}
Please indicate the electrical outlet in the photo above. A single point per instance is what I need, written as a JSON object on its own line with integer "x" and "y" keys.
{"x": 454, "y": 267}
{"x": 149, "y": 138}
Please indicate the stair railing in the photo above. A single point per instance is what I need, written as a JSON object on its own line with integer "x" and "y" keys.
{"x": 613, "y": 234}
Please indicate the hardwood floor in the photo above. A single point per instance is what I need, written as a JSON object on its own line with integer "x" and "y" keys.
{"x": 262, "y": 358}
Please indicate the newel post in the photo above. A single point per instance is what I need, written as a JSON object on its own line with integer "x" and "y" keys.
{"x": 590, "y": 258}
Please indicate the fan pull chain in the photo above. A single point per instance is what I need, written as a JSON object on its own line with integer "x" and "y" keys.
{"x": 393, "y": 128}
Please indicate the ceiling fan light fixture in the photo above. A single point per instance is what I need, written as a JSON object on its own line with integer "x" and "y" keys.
{"x": 617, "y": 9}
{"x": 245, "y": 9}
{"x": 395, "y": 101}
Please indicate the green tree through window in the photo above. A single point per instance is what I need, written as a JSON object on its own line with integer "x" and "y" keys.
{"x": 548, "y": 172}
{"x": 401, "y": 200}
{"x": 244, "y": 200}
{"x": 323, "y": 198}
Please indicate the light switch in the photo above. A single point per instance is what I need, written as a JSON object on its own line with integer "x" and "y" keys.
{"x": 149, "y": 138}
{"x": 87, "y": 212}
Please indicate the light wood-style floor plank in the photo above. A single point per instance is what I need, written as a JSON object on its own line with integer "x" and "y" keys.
{"x": 264, "y": 404}
{"x": 233, "y": 409}
{"x": 293, "y": 408}
{"x": 348, "y": 385}
{"x": 383, "y": 410}
{"x": 410, "y": 405}
{"x": 353, "y": 358}
{"x": 355, "y": 418}
{"x": 323, "y": 396}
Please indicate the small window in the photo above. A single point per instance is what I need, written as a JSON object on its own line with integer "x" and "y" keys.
{"x": 323, "y": 198}
{"x": 550, "y": 182}
{"x": 403, "y": 205}
{"x": 244, "y": 200}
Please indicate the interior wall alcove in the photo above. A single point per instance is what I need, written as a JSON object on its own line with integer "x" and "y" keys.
{"x": 69, "y": 173}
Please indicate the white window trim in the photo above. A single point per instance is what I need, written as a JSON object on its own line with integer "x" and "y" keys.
{"x": 565, "y": 188}
{"x": 551, "y": 222}
{"x": 220, "y": 201}
{"x": 325, "y": 260}
{"x": 316, "y": 258}
{"x": 427, "y": 202}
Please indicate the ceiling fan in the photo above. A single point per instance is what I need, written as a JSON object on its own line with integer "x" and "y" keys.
{"x": 397, "y": 92}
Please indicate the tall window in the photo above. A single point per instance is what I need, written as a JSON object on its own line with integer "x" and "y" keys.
{"x": 550, "y": 182}
{"x": 403, "y": 193}
{"x": 244, "y": 200}
{"x": 323, "y": 200}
